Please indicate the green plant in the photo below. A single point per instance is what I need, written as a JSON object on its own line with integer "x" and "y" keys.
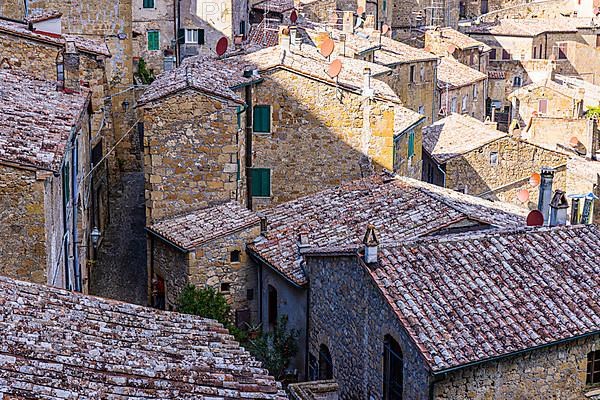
{"x": 276, "y": 348}
{"x": 146, "y": 75}
{"x": 593, "y": 112}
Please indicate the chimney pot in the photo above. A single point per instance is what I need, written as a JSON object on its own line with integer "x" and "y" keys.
{"x": 558, "y": 209}
{"x": 367, "y": 90}
{"x": 575, "y": 211}
{"x": 545, "y": 194}
{"x": 284, "y": 37}
{"x": 348, "y": 22}
{"x": 263, "y": 223}
{"x": 371, "y": 243}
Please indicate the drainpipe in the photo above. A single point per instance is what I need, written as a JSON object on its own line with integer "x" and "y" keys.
{"x": 26, "y": 3}
{"x": 249, "y": 132}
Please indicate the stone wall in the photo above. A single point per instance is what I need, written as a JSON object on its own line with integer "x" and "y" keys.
{"x": 23, "y": 235}
{"x": 475, "y": 105}
{"x": 420, "y": 93}
{"x": 475, "y": 174}
{"x": 171, "y": 265}
{"x": 191, "y": 148}
{"x": 520, "y": 9}
{"x": 320, "y": 137}
{"x": 556, "y": 372}
{"x": 404, "y": 165}
{"x": 211, "y": 265}
{"x": 160, "y": 18}
{"x": 353, "y": 328}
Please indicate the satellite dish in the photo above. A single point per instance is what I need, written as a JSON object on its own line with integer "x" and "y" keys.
{"x": 574, "y": 142}
{"x": 535, "y": 218}
{"x": 596, "y": 10}
{"x": 427, "y": 49}
{"x": 523, "y": 195}
{"x": 385, "y": 29}
{"x": 451, "y": 48}
{"x": 335, "y": 68}
{"x": 360, "y": 10}
{"x": 294, "y": 16}
{"x": 326, "y": 47}
{"x": 222, "y": 46}
{"x": 535, "y": 179}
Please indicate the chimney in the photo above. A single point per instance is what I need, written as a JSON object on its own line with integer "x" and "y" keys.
{"x": 575, "y": 211}
{"x": 348, "y": 22}
{"x": 71, "y": 66}
{"x": 558, "y": 209}
{"x": 263, "y": 223}
{"x": 284, "y": 37}
{"x": 367, "y": 90}
{"x": 545, "y": 195}
{"x": 303, "y": 239}
{"x": 369, "y": 23}
{"x": 592, "y": 139}
{"x": 586, "y": 214}
{"x": 371, "y": 242}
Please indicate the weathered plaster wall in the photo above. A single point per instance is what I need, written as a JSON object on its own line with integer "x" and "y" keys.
{"x": 160, "y": 18}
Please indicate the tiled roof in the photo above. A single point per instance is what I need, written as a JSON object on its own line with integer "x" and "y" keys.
{"x": 40, "y": 16}
{"x": 563, "y": 89}
{"x": 401, "y": 52}
{"x": 458, "y": 39}
{"x": 263, "y": 35}
{"x": 276, "y": 6}
{"x": 489, "y": 294}
{"x": 452, "y": 74}
{"x": 82, "y": 44}
{"x": 192, "y": 229}
{"x": 36, "y": 120}
{"x": 57, "y": 344}
{"x": 456, "y": 135}
{"x": 400, "y": 208}
{"x": 524, "y": 27}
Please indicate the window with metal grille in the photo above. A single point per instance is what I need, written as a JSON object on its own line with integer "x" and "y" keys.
{"x": 261, "y": 182}
{"x": 593, "y": 368}
{"x": 148, "y": 3}
{"x": 153, "y": 40}
{"x": 262, "y": 119}
{"x": 393, "y": 369}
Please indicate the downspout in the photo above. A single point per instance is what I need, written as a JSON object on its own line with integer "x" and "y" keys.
{"x": 177, "y": 10}
{"x": 237, "y": 142}
{"x": 75, "y": 216}
{"x": 249, "y": 132}
{"x": 307, "y": 341}
{"x": 151, "y": 274}
{"x": 435, "y": 85}
{"x": 546, "y": 46}
{"x": 26, "y": 3}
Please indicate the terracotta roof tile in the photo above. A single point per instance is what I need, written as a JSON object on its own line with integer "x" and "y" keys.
{"x": 36, "y": 120}
{"x": 56, "y": 344}
{"x": 276, "y": 6}
{"x": 40, "y": 16}
{"x": 82, "y": 44}
{"x": 488, "y": 294}
{"x": 452, "y": 74}
{"x": 400, "y": 209}
{"x": 458, "y": 39}
{"x": 456, "y": 135}
{"x": 192, "y": 229}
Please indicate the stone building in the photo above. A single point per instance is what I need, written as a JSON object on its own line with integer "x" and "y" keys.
{"x": 401, "y": 207}
{"x": 464, "y": 316}
{"x": 47, "y": 196}
{"x": 470, "y": 156}
{"x": 520, "y": 53}
{"x": 448, "y": 42}
{"x": 154, "y": 36}
{"x": 357, "y": 122}
{"x": 461, "y": 89}
{"x": 551, "y": 113}
{"x": 118, "y": 350}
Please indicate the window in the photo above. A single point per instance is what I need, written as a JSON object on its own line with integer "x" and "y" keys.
{"x": 262, "y": 119}
{"x": 493, "y": 54}
{"x": 249, "y": 294}
{"x": 225, "y": 287}
{"x": 234, "y": 256}
{"x": 543, "y": 106}
{"x": 60, "y": 71}
{"x": 465, "y": 102}
{"x": 325, "y": 363}
{"x": 97, "y": 153}
{"x": 494, "y": 158}
{"x": 393, "y": 369}
{"x": 505, "y": 55}
{"x": 272, "y": 305}
{"x": 422, "y": 73}
{"x": 411, "y": 144}
{"x": 475, "y": 91}
{"x": 191, "y": 36}
{"x": 153, "y": 40}
{"x": 261, "y": 182}
{"x": 422, "y": 110}
{"x": 471, "y": 58}
{"x": 148, "y": 3}
{"x": 535, "y": 55}
{"x": 66, "y": 176}
{"x": 597, "y": 40}
{"x": 540, "y": 52}
{"x": 517, "y": 81}
{"x": 593, "y": 368}
{"x": 412, "y": 74}
{"x": 243, "y": 28}
{"x": 562, "y": 51}
{"x": 453, "y": 105}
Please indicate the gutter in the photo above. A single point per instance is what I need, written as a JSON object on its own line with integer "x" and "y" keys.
{"x": 414, "y": 125}
{"x": 261, "y": 260}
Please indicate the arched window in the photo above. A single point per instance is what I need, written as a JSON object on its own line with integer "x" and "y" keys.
{"x": 272, "y": 305}
{"x": 593, "y": 368}
{"x": 325, "y": 363}
{"x": 392, "y": 369}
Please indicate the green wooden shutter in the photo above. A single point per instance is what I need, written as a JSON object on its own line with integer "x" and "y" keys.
{"x": 261, "y": 182}
{"x": 411, "y": 144}
{"x": 148, "y": 3}
{"x": 262, "y": 119}
{"x": 153, "y": 40}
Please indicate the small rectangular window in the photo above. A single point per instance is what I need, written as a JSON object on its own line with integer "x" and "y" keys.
{"x": 97, "y": 153}
{"x": 422, "y": 73}
{"x": 191, "y": 36}
{"x": 465, "y": 103}
{"x": 412, "y": 73}
{"x": 234, "y": 256}
{"x": 453, "y": 105}
{"x": 475, "y": 91}
{"x": 261, "y": 182}
{"x": 262, "y": 119}
{"x": 148, "y": 3}
{"x": 153, "y": 40}
{"x": 562, "y": 51}
{"x": 543, "y": 106}
{"x": 225, "y": 287}
{"x": 505, "y": 55}
{"x": 493, "y": 54}
{"x": 494, "y": 158}
{"x": 517, "y": 81}
{"x": 593, "y": 368}
{"x": 243, "y": 28}
{"x": 411, "y": 144}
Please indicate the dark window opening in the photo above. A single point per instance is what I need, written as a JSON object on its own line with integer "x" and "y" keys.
{"x": 159, "y": 292}
{"x": 235, "y": 256}
{"x": 593, "y": 368}
{"x": 505, "y": 55}
{"x": 148, "y": 3}
{"x": 392, "y": 369}
{"x": 250, "y": 294}
{"x": 412, "y": 74}
{"x": 562, "y": 51}
{"x": 97, "y": 153}
{"x": 325, "y": 363}
{"x": 272, "y": 305}
{"x": 493, "y": 54}
{"x": 225, "y": 287}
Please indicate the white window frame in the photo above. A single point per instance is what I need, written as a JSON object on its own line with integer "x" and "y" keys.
{"x": 465, "y": 103}
{"x": 191, "y": 36}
